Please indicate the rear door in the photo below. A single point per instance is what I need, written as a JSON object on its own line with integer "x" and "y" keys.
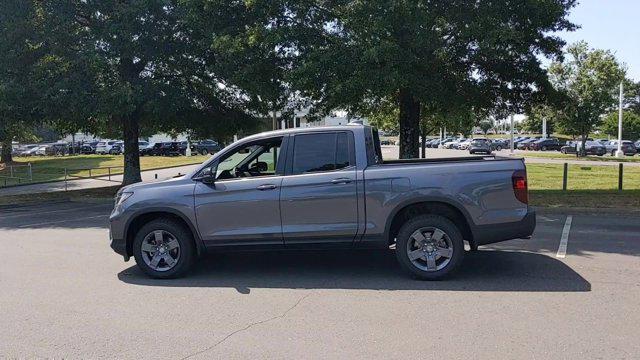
{"x": 318, "y": 200}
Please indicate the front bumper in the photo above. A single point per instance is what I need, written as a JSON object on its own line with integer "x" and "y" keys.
{"x": 489, "y": 234}
{"x": 120, "y": 247}
{"x": 117, "y": 235}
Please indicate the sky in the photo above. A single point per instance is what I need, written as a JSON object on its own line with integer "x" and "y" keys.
{"x": 612, "y": 25}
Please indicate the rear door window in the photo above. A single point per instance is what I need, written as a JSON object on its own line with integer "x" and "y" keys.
{"x": 320, "y": 152}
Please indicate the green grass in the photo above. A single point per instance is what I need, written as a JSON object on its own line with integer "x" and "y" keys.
{"x": 51, "y": 168}
{"x": 558, "y": 155}
{"x": 628, "y": 200}
{"x": 581, "y": 177}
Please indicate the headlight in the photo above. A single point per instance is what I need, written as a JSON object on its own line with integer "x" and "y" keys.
{"x": 121, "y": 197}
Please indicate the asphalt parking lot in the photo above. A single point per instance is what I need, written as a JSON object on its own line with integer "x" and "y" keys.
{"x": 66, "y": 294}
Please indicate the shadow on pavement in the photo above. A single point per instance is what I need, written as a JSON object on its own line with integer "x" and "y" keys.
{"x": 370, "y": 270}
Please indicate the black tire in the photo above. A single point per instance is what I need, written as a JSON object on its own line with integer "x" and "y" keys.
{"x": 498, "y": 148}
{"x": 544, "y": 148}
{"x": 183, "y": 236}
{"x": 203, "y": 151}
{"x": 425, "y": 221}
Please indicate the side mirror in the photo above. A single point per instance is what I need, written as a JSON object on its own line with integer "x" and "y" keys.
{"x": 207, "y": 176}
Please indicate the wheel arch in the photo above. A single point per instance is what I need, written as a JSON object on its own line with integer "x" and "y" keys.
{"x": 442, "y": 207}
{"x": 137, "y": 221}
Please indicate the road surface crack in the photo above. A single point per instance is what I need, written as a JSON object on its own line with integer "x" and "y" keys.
{"x": 249, "y": 327}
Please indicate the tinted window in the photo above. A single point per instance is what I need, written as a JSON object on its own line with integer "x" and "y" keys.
{"x": 320, "y": 152}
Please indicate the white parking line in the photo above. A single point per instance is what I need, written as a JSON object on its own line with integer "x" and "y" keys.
{"x": 564, "y": 239}
{"x": 62, "y": 221}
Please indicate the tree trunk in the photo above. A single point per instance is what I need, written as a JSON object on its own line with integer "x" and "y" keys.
{"x": 423, "y": 144}
{"x": 409, "y": 120}
{"x": 6, "y": 157}
{"x": 131, "y": 133}
{"x": 582, "y": 152}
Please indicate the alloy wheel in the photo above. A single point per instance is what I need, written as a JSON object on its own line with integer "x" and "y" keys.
{"x": 430, "y": 249}
{"x": 160, "y": 250}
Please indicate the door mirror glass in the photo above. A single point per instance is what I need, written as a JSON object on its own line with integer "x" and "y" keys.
{"x": 207, "y": 175}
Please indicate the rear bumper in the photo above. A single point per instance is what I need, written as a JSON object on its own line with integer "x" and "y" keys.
{"x": 489, "y": 234}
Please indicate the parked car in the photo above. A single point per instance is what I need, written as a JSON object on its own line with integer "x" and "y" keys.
{"x": 480, "y": 146}
{"x": 464, "y": 145}
{"x": 454, "y": 143}
{"x": 42, "y": 150}
{"x": 148, "y": 149}
{"x": 499, "y": 144}
{"x": 628, "y": 148}
{"x": 57, "y": 149}
{"x": 526, "y": 144}
{"x": 27, "y": 150}
{"x": 545, "y": 144}
{"x": 104, "y": 147}
{"x": 205, "y": 147}
{"x": 171, "y": 148}
{"x": 591, "y": 148}
{"x": 117, "y": 149}
{"x": 252, "y": 195}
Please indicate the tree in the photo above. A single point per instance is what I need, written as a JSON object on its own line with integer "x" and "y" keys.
{"x": 533, "y": 122}
{"x": 146, "y": 67}
{"x": 630, "y": 125}
{"x": 485, "y": 126}
{"x": 589, "y": 80}
{"x": 427, "y": 54}
{"x": 20, "y": 54}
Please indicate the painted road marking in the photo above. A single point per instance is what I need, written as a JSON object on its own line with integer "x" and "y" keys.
{"x": 562, "y": 249}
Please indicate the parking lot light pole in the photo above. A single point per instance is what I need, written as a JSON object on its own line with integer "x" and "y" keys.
{"x": 544, "y": 128}
{"x": 511, "y": 132}
{"x": 619, "y": 153}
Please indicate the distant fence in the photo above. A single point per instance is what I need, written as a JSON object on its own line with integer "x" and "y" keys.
{"x": 567, "y": 176}
{"x": 13, "y": 175}
{"x": 16, "y": 174}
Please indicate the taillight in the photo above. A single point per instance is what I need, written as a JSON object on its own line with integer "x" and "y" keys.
{"x": 520, "y": 190}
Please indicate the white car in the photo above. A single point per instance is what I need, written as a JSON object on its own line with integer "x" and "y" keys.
{"x": 464, "y": 145}
{"x": 104, "y": 147}
{"x": 41, "y": 150}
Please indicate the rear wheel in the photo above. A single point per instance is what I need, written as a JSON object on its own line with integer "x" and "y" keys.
{"x": 498, "y": 148}
{"x": 203, "y": 151}
{"x": 429, "y": 247}
{"x": 544, "y": 148}
{"x": 164, "y": 249}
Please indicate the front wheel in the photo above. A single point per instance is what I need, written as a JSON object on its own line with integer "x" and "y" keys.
{"x": 430, "y": 247}
{"x": 164, "y": 249}
{"x": 498, "y": 148}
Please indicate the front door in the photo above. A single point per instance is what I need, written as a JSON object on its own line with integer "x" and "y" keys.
{"x": 242, "y": 206}
{"x": 318, "y": 196}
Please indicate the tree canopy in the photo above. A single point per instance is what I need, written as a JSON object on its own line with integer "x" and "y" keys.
{"x": 588, "y": 80}
{"x": 630, "y": 125}
{"x": 479, "y": 55}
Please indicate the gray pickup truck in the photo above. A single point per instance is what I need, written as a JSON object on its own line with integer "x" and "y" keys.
{"x": 324, "y": 187}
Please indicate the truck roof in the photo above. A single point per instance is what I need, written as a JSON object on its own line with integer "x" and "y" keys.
{"x": 306, "y": 130}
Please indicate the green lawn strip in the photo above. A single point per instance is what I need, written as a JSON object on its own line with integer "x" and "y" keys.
{"x": 581, "y": 177}
{"x": 560, "y": 156}
{"x": 588, "y": 199}
{"x": 51, "y": 168}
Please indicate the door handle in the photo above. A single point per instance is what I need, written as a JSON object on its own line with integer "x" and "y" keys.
{"x": 266, "y": 187}
{"x": 341, "y": 181}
